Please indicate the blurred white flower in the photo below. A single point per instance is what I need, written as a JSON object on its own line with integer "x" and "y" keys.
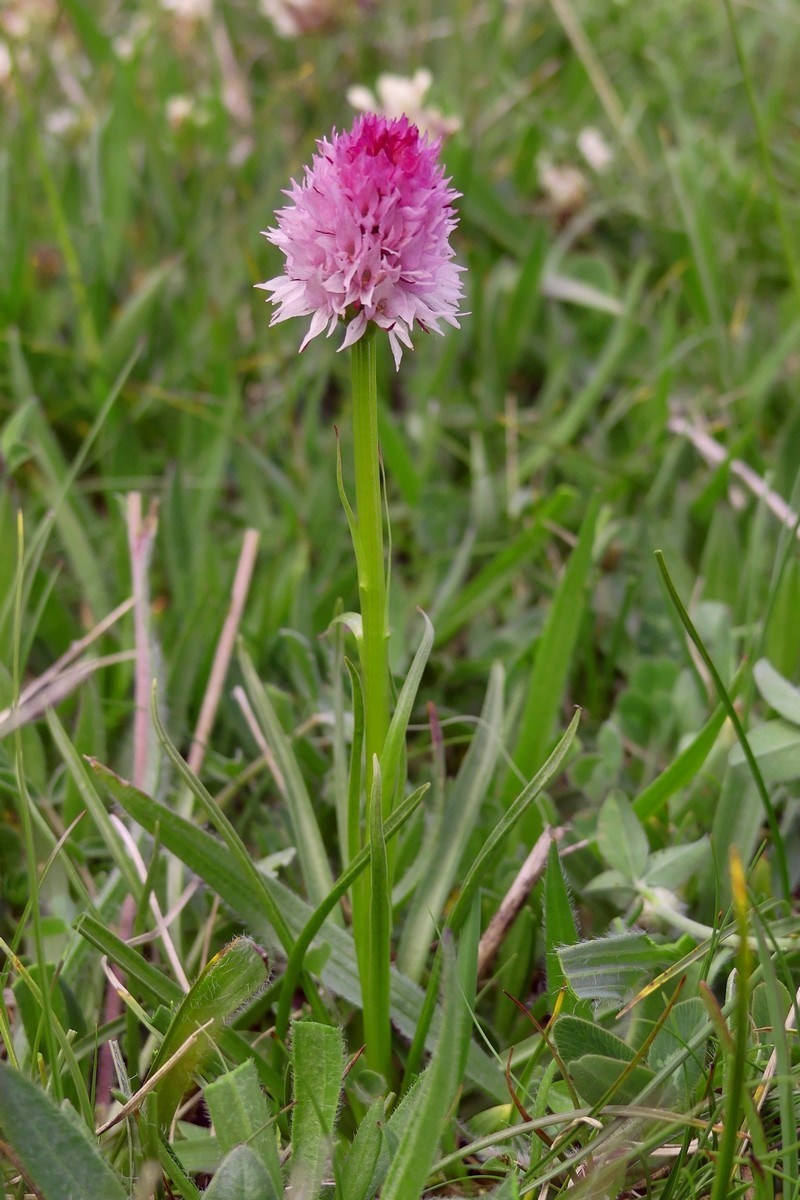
{"x": 179, "y": 109}
{"x": 595, "y": 149}
{"x": 292, "y": 18}
{"x": 398, "y": 96}
{"x": 61, "y": 121}
{"x": 189, "y": 10}
{"x": 126, "y": 44}
{"x": 564, "y": 187}
{"x": 20, "y": 18}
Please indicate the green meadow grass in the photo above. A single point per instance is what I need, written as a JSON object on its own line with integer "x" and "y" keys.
{"x": 592, "y": 490}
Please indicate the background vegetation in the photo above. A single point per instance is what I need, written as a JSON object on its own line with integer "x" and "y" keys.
{"x": 626, "y": 382}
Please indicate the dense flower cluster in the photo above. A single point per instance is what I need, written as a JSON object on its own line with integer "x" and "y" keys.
{"x": 366, "y": 237}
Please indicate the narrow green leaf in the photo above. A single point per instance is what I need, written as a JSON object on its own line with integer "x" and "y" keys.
{"x": 563, "y": 431}
{"x": 682, "y": 771}
{"x": 461, "y": 812}
{"x": 352, "y": 524}
{"x": 158, "y": 988}
{"x": 134, "y": 319}
{"x": 308, "y": 841}
{"x": 467, "y": 973}
{"x": 726, "y": 701}
{"x": 239, "y": 1114}
{"x": 171, "y": 1165}
{"x": 358, "y": 1169}
{"x": 95, "y": 43}
{"x": 399, "y": 462}
{"x": 94, "y": 805}
{"x": 52, "y": 1151}
{"x": 553, "y": 658}
{"x": 494, "y": 842}
{"x": 354, "y": 778}
{"x": 393, "y": 1131}
{"x": 560, "y": 928}
{"x": 490, "y": 581}
{"x": 233, "y": 874}
{"x": 317, "y": 1071}
{"x": 779, "y": 1005}
{"x": 394, "y": 743}
{"x": 416, "y": 1151}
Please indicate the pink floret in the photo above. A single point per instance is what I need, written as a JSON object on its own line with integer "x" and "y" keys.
{"x": 366, "y": 237}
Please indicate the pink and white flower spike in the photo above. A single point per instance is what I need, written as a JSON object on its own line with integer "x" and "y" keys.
{"x": 366, "y": 237}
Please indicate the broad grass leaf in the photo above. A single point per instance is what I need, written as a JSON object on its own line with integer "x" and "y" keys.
{"x": 358, "y": 1170}
{"x": 621, "y": 839}
{"x": 53, "y": 1152}
{"x": 575, "y": 1037}
{"x": 239, "y": 1113}
{"x": 776, "y": 747}
{"x": 669, "y": 1046}
{"x": 215, "y": 863}
{"x": 676, "y": 865}
{"x": 610, "y": 968}
{"x": 779, "y": 693}
{"x": 241, "y": 1176}
{"x": 596, "y": 1077}
{"x": 134, "y": 319}
{"x": 231, "y": 978}
{"x": 317, "y": 1070}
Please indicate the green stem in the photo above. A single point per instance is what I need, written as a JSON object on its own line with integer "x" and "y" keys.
{"x": 375, "y": 888}
{"x": 372, "y": 568}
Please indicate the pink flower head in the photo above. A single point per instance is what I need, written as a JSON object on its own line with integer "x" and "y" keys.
{"x": 366, "y": 237}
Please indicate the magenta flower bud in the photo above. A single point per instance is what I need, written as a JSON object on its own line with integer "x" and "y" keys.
{"x": 366, "y": 237}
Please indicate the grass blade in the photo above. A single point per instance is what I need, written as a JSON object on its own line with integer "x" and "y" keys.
{"x": 553, "y": 658}
{"x": 308, "y": 841}
{"x": 462, "y": 810}
{"x": 418, "y": 1145}
{"x": 727, "y": 703}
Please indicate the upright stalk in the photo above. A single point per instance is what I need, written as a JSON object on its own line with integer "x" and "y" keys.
{"x": 372, "y": 569}
{"x": 372, "y": 893}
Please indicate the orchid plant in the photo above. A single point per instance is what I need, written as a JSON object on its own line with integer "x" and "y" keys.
{"x": 366, "y": 240}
